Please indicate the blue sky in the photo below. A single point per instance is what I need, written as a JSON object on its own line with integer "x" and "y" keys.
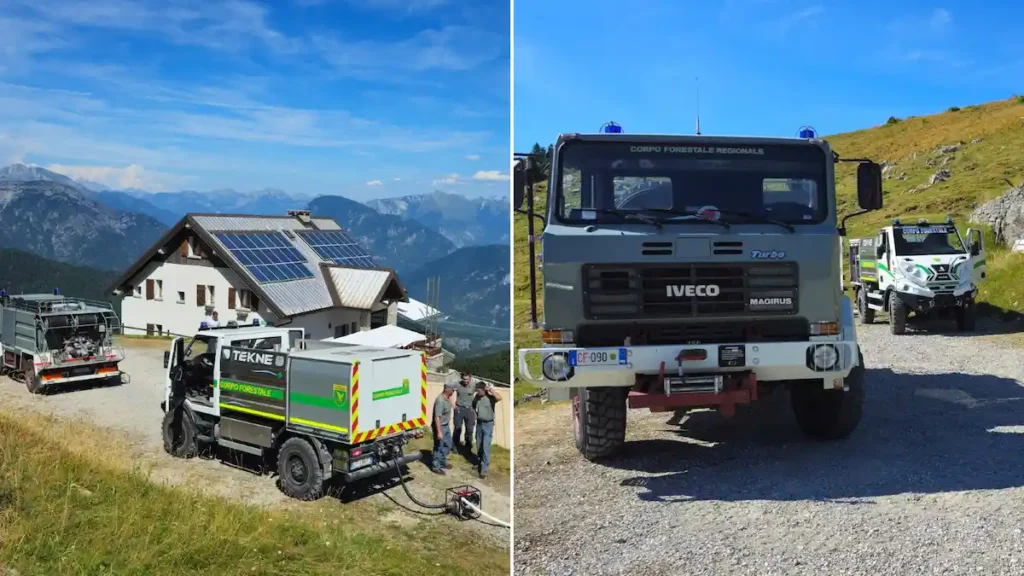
{"x": 766, "y": 67}
{"x": 364, "y": 98}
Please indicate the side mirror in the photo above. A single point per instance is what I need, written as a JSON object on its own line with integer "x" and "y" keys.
{"x": 518, "y": 184}
{"x": 869, "y": 186}
{"x": 167, "y": 358}
{"x": 975, "y": 249}
{"x": 879, "y": 251}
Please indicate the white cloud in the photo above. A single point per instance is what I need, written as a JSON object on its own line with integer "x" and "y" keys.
{"x": 940, "y": 19}
{"x": 472, "y": 157}
{"x": 449, "y": 180}
{"x": 133, "y": 176}
{"x": 374, "y": 183}
{"x": 490, "y": 175}
{"x": 398, "y": 179}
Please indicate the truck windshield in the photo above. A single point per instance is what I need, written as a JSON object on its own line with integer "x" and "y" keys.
{"x": 783, "y": 182}
{"x": 927, "y": 240}
{"x": 200, "y": 345}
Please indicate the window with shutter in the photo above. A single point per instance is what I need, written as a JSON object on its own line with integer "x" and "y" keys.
{"x": 254, "y": 302}
{"x": 231, "y": 298}
{"x": 200, "y": 295}
{"x": 149, "y": 289}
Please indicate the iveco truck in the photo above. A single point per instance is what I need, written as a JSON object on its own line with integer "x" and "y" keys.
{"x": 695, "y": 271}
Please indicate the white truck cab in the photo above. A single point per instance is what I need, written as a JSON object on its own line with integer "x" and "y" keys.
{"x": 918, "y": 268}
{"x": 203, "y": 357}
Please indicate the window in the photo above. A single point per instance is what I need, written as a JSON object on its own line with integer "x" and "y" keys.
{"x": 204, "y": 295}
{"x": 154, "y": 329}
{"x": 341, "y": 330}
{"x": 231, "y": 298}
{"x": 150, "y": 290}
{"x": 927, "y": 240}
{"x": 181, "y": 297}
{"x": 273, "y": 343}
{"x": 136, "y": 291}
{"x": 599, "y": 181}
{"x": 378, "y": 318}
{"x": 354, "y": 328}
{"x": 159, "y": 289}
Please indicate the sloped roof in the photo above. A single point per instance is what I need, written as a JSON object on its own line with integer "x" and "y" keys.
{"x": 285, "y": 298}
{"x": 384, "y": 336}
{"x": 361, "y": 288}
{"x": 415, "y": 310}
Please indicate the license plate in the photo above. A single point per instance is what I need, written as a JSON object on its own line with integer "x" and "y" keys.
{"x": 81, "y": 371}
{"x": 732, "y": 356}
{"x": 361, "y": 463}
{"x": 598, "y": 357}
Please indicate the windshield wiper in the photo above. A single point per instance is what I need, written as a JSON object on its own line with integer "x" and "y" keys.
{"x": 745, "y": 215}
{"x": 685, "y": 216}
{"x": 627, "y": 216}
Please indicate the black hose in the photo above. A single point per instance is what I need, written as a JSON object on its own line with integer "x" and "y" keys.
{"x": 401, "y": 479}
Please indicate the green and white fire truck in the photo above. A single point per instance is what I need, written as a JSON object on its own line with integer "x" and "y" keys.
{"x": 923, "y": 268}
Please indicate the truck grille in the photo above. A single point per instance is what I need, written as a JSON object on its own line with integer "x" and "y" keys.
{"x": 694, "y": 332}
{"x": 689, "y": 290}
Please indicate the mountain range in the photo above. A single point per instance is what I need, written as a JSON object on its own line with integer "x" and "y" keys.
{"x": 81, "y": 223}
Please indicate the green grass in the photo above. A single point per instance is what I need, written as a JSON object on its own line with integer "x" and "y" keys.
{"x": 69, "y": 504}
{"x": 523, "y": 336}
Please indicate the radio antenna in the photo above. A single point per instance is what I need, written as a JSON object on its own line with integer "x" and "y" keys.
{"x": 697, "y": 88}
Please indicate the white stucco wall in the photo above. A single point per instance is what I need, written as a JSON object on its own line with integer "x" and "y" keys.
{"x": 184, "y": 317}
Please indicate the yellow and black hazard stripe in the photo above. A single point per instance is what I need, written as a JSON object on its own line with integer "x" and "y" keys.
{"x": 358, "y": 437}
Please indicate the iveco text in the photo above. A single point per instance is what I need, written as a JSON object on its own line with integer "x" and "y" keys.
{"x": 692, "y": 290}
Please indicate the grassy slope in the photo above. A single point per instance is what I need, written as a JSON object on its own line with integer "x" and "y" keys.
{"x": 69, "y": 504}
{"x": 979, "y": 173}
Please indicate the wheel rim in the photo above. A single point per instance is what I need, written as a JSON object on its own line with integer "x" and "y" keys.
{"x": 297, "y": 469}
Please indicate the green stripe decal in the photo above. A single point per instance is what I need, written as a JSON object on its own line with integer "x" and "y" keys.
{"x": 252, "y": 389}
{"x": 979, "y": 263}
{"x": 867, "y": 278}
{"x": 253, "y": 412}
{"x": 883, "y": 268}
{"x": 926, "y": 271}
{"x": 319, "y": 401}
{"x": 392, "y": 392}
{"x": 867, "y": 263}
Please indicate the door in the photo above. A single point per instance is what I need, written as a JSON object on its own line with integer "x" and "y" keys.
{"x": 976, "y": 247}
{"x": 170, "y": 361}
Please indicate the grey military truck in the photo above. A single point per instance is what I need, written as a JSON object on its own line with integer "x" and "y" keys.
{"x": 49, "y": 340}
{"x": 695, "y": 271}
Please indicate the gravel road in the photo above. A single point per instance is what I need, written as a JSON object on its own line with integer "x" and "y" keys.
{"x": 932, "y": 482}
{"x": 134, "y": 410}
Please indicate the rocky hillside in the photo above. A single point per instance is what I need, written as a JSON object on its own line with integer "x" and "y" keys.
{"x": 23, "y": 173}
{"x": 58, "y": 222}
{"x": 464, "y": 221}
{"x": 403, "y": 245}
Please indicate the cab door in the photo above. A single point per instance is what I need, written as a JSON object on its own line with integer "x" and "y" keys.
{"x": 976, "y": 249}
{"x": 171, "y": 359}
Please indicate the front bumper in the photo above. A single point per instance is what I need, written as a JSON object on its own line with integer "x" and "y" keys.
{"x": 919, "y": 298}
{"x": 771, "y": 361}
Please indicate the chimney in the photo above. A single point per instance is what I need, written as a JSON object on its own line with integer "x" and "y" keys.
{"x": 302, "y": 216}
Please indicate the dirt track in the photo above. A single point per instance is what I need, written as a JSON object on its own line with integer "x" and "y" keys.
{"x": 133, "y": 410}
{"x": 932, "y": 482}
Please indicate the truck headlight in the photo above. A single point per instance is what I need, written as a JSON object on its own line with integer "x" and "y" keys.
{"x": 822, "y": 357}
{"x": 556, "y": 367}
{"x": 914, "y": 274}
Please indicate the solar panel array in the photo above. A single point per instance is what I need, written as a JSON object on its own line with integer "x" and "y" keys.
{"x": 338, "y": 247}
{"x": 268, "y": 256}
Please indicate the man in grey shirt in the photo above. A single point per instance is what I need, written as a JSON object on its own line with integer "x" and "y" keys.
{"x": 439, "y": 425}
{"x": 484, "y": 400}
{"x": 464, "y": 414}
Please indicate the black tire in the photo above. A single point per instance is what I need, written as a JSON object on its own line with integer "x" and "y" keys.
{"x": 33, "y": 382}
{"x": 299, "y": 469}
{"x": 867, "y": 315}
{"x": 829, "y": 414}
{"x": 965, "y": 316}
{"x": 179, "y": 432}
{"x": 599, "y": 420}
{"x": 897, "y": 314}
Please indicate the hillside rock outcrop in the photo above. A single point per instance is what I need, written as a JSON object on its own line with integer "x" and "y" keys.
{"x": 1004, "y": 214}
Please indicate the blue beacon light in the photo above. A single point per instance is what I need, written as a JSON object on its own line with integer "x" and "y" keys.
{"x": 611, "y": 128}
{"x": 807, "y": 132}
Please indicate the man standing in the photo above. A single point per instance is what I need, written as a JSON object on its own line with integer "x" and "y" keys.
{"x": 442, "y": 436}
{"x": 464, "y": 414}
{"x": 483, "y": 405}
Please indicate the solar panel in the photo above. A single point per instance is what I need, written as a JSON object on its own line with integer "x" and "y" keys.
{"x": 338, "y": 247}
{"x": 268, "y": 256}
